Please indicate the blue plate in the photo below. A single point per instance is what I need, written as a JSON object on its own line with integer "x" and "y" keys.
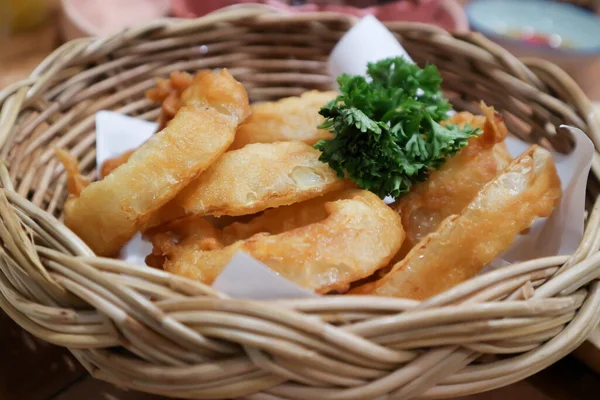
{"x": 569, "y": 28}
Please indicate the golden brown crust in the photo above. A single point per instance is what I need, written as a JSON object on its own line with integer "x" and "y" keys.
{"x": 75, "y": 181}
{"x": 358, "y": 235}
{"x": 529, "y": 188}
{"x": 282, "y": 219}
{"x": 109, "y": 212}
{"x": 168, "y": 93}
{"x": 113, "y": 163}
{"x": 292, "y": 118}
{"x": 252, "y": 179}
{"x": 448, "y": 190}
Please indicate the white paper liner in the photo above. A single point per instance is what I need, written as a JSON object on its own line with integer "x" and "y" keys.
{"x": 367, "y": 41}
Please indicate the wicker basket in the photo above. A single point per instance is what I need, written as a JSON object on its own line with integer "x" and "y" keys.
{"x": 145, "y": 329}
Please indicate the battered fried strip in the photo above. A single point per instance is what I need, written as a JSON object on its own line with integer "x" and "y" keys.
{"x": 359, "y": 235}
{"x": 109, "y": 212}
{"x": 292, "y": 118}
{"x": 281, "y": 219}
{"x": 75, "y": 181}
{"x": 451, "y": 188}
{"x": 113, "y": 163}
{"x": 168, "y": 92}
{"x": 252, "y": 179}
{"x": 528, "y": 189}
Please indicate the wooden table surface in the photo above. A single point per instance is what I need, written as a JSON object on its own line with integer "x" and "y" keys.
{"x": 33, "y": 370}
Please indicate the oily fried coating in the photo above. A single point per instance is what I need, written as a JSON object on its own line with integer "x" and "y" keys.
{"x": 448, "y": 190}
{"x": 292, "y": 118}
{"x": 252, "y": 179}
{"x": 282, "y": 219}
{"x": 166, "y": 237}
{"x": 75, "y": 181}
{"x": 358, "y": 235}
{"x": 264, "y": 125}
{"x": 168, "y": 92}
{"x": 109, "y": 212}
{"x": 112, "y": 163}
{"x": 527, "y": 189}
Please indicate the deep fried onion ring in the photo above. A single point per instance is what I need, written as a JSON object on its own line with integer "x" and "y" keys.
{"x": 252, "y": 179}
{"x": 451, "y": 188}
{"x": 291, "y": 118}
{"x": 109, "y": 212}
{"x": 358, "y": 235}
{"x": 529, "y": 188}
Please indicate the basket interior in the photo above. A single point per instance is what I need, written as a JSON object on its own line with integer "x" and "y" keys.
{"x": 273, "y": 58}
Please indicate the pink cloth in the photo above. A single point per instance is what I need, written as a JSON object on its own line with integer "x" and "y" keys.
{"x": 445, "y": 13}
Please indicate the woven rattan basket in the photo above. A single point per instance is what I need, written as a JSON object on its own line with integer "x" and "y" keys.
{"x": 145, "y": 329}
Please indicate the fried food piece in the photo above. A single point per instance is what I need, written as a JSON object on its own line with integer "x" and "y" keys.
{"x": 252, "y": 179}
{"x": 112, "y": 163}
{"x": 109, "y": 212}
{"x": 282, "y": 219}
{"x": 168, "y": 92}
{"x": 358, "y": 235}
{"x": 75, "y": 181}
{"x": 166, "y": 238}
{"x": 451, "y": 188}
{"x": 292, "y": 118}
{"x": 529, "y": 188}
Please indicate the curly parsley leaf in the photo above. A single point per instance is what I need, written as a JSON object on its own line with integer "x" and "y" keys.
{"x": 387, "y": 134}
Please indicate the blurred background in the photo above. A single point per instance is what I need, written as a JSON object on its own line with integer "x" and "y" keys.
{"x": 565, "y": 32}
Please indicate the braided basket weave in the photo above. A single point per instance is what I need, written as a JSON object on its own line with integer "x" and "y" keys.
{"x": 145, "y": 329}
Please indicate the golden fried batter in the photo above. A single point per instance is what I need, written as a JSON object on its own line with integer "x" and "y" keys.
{"x": 252, "y": 179}
{"x": 282, "y": 219}
{"x": 448, "y": 190}
{"x": 292, "y": 118}
{"x": 358, "y": 235}
{"x": 168, "y": 92}
{"x": 113, "y": 163}
{"x": 109, "y": 212}
{"x": 75, "y": 181}
{"x": 529, "y": 188}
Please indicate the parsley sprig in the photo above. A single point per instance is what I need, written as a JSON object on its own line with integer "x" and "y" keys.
{"x": 387, "y": 134}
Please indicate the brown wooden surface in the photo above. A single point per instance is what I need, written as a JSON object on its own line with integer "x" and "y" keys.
{"x": 32, "y": 370}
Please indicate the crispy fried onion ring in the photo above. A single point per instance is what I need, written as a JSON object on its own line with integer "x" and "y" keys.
{"x": 168, "y": 92}
{"x": 252, "y": 179}
{"x": 529, "y": 188}
{"x": 282, "y": 219}
{"x": 107, "y": 213}
{"x": 75, "y": 181}
{"x": 291, "y": 118}
{"x": 358, "y": 235}
{"x": 451, "y": 188}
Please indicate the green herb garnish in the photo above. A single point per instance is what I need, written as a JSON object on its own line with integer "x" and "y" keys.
{"x": 386, "y": 129}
